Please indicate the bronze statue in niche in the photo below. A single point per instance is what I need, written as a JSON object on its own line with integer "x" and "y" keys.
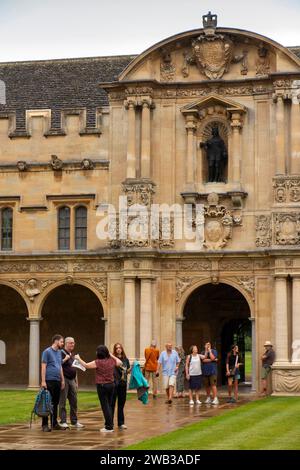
{"x": 216, "y": 153}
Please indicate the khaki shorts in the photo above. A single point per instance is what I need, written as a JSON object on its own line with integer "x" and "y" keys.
{"x": 209, "y": 380}
{"x": 265, "y": 372}
{"x": 169, "y": 381}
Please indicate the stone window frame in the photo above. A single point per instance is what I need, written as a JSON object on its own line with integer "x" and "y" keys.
{"x": 3, "y": 208}
{"x": 72, "y": 205}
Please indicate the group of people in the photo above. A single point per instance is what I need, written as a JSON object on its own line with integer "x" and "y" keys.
{"x": 176, "y": 368}
{"x": 59, "y": 377}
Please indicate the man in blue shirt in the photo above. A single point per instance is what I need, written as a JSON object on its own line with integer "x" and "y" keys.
{"x": 209, "y": 372}
{"x": 169, "y": 361}
{"x": 53, "y": 377}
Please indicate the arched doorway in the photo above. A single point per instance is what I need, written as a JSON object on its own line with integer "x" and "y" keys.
{"x": 74, "y": 310}
{"x": 219, "y": 313}
{"x": 14, "y": 333}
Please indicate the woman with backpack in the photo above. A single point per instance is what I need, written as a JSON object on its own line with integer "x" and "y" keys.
{"x": 233, "y": 372}
{"x": 120, "y": 394}
{"x": 104, "y": 366}
{"x": 194, "y": 373}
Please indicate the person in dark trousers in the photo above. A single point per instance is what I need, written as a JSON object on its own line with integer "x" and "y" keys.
{"x": 71, "y": 386}
{"x": 121, "y": 373}
{"x": 104, "y": 364}
{"x": 53, "y": 378}
{"x": 233, "y": 372}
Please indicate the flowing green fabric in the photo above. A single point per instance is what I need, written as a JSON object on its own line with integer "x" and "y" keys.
{"x": 138, "y": 381}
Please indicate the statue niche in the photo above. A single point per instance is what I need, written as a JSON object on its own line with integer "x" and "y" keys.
{"x": 216, "y": 154}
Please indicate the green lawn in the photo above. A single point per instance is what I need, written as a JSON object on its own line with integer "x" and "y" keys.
{"x": 248, "y": 365}
{"x": 16, "y": 405}
{"x": 271, "y": 423}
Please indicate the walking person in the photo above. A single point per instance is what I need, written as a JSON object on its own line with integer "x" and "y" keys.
{"x": 53, "y": 378}
{"x": 180, "y": 379}
{"x": 209, "y": 372}
{"x": 151, "y": 365}
{"x": 71, "y": 386}
{"x": 169, "y": 361}
{"x": 233, "y": 372}
{"x": 104, "y": 366}
{"x": 120, "y": 393}
{"x": 194, "y": 374}
{"x": 267, "y": 360}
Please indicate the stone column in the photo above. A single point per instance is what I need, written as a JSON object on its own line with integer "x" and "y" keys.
{"x": 296, "y": 314}
{"x": 295, "y": 132}
{"x": 191, "y": 128}
{"x": 236, "y": 125}
{"x": 179, "y": 331}
{"x": 253, "y": 354}
{"x": 280, "y": 133}
{"x": 145, "y": 315}
{"x": 145, "y": 138}
{"x": 34, "y": 353}
{"x": 129, "y": 318}
{"x": 281, "y": 319}
{"x": 130, "y": 105}
{"x": 104, "y": 319}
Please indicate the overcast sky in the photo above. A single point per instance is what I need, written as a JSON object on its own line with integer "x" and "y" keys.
{"x": 49, "y": 29}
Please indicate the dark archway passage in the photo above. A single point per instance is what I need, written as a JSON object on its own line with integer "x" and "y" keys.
{"x": 218, "y": 313}
{"x": 14, "y": 332}
{"x": 74, "y": 310}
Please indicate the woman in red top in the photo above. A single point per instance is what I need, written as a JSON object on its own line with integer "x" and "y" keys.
{"x": 104, "y": 364}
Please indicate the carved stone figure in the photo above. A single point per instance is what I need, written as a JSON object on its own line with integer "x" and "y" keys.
{"x": 216, "y": 155}
{"x": 56, "y": 162}
{"x": 87, "y": 164}
{"x": 32, "y": 290}
{"x": 263, "y": 61}
{"x": 22, "y": 165}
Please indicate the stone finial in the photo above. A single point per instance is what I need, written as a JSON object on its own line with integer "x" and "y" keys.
{"x": 210, "y": 22}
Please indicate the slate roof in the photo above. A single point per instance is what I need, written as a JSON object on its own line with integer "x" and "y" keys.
{"x": 58, "y": 84}
{"x": 62, "y": 83}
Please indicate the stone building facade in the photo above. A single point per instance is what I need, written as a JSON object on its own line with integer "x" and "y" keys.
{"x": 77, "y": 134}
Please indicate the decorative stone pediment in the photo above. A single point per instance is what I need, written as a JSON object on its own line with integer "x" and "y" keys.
{"x": 213, "y": 104}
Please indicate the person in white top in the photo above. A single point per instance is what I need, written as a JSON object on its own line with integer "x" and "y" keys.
{"x": 194, "y": 373}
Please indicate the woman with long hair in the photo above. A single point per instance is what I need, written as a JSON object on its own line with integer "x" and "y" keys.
{"x": 120, "y": 393}
{"x": 233, "y": 372}
{"x": 104, "y": 366}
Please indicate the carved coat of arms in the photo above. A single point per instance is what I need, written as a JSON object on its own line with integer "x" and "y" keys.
{"x": 212, "y": 54}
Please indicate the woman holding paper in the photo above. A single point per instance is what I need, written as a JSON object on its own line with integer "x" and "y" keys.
{"x": 104, "y": 366}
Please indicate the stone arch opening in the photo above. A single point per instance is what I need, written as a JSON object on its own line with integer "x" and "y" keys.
{"x": 74, "y": 310}
{"x": 14, "y": 333}
{"x": 219, "y": 313}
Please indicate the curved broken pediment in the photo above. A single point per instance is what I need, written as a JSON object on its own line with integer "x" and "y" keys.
{"x": 211, "y": 53}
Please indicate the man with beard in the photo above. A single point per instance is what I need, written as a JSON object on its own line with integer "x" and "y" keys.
{"x": 53, "y": 378}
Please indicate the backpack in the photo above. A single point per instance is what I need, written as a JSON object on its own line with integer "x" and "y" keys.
{"x": 43, "y": 405}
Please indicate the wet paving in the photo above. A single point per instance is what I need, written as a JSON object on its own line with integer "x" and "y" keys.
{"x": 143, "y": 421}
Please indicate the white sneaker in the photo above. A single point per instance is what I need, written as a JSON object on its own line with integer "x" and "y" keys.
{"x": 77, "y": 425}
{"x": 63, "y": 425}
{"x": 215, "y": 401}
{"x": 208, "y": 400}
{"x": 198, "y": 402}
{"x": 123, "y": 426}
{"x": 191, "y": 402}
{"x": 106, "y": 430}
